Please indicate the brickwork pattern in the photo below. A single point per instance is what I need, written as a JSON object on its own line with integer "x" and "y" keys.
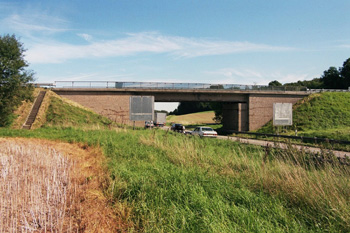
{"x": 261, "y": 108}
{"x": 115, "y": 107}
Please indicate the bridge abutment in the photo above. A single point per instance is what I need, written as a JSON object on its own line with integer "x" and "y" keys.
{"x": 261, "y": 107}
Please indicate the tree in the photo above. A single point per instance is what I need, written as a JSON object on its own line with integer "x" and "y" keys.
{"x": 332, "y": 79}
{"x": 275, "y": 83}
{"x": 191, "y": 107}
{"x": 315, "y": 83}
{"x": 14, "y": 78}
{"x": 345, "y": 73}
{"x": 217, "y": 107}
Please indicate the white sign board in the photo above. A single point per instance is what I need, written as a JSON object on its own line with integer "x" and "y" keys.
{"x": 282, "y": 114}
{"x": 141, "y": 108}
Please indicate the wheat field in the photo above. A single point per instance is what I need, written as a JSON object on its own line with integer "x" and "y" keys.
{"x": 48, "y": 186}
{"x": 35, "y": 188}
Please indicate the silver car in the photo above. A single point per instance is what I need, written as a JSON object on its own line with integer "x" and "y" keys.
{"x": 204, "y": 132}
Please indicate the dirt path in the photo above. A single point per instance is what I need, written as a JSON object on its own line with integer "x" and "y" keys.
{"x": 90, "y": 210}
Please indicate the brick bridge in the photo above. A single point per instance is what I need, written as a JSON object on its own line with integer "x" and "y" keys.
{"x": 245, "y": 107}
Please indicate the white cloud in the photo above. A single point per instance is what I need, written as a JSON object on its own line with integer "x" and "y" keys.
{"x": 29, "y": 24}
{"x": 85, "y": 36}
{"x": 139, "y": 43}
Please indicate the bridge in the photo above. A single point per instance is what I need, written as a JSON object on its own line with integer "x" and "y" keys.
{"x": 245, "y": 107}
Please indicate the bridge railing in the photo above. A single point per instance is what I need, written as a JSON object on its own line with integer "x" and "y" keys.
{"x": 165, "y": 85}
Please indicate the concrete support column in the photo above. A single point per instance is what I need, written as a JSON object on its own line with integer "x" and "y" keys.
{"x": 235, "y": 116}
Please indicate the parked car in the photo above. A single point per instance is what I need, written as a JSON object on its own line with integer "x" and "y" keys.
{"x": 178, "y": 128}
{"x": 149, "y": 124}
{"x": 204, "y": 132}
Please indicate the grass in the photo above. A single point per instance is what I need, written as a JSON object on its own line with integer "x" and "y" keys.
{"x": 49, "y": 186}
{"x": 39, "y": 197}
{"x": 161, "y": 181}
{"x": 193, "y": 118}
{"x": 23, "y": 111}
{"x": 61, "y": 113}
{"x": 175, "y": 183}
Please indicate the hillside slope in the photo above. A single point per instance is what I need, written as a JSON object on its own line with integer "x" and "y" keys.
{"x": 60, "y": 112}
{"x": 323, "y": 114}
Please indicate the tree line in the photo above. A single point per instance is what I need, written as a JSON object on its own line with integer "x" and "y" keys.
{"x": 333, "y": 78}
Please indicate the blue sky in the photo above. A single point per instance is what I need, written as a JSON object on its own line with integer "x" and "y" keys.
{"x": 221, "y": 41}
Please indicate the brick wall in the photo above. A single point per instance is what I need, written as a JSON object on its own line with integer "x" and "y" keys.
{"x": 261, "y": 108}
{"x": 115, "y": 107}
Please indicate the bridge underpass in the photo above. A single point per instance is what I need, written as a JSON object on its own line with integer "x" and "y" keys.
{"x": 245, "y": 107}
{"x": 243, "y": 110}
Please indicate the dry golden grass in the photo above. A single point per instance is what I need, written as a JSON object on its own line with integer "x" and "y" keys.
{"x": 23, "y": 111}
{"x": 193, "y": 118}
{"x": 54, "y": 187}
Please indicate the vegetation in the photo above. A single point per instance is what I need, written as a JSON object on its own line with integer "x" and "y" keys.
{"x": 13, "y": 78}
{"x": 192, "y": 118}
{"x": 174, "y": 183}
{"x": 61, "y": 113}
{"x": 167, "y": 182}
{"x": 50, "y": 186}
{"x": 160, "y": 181}
{"x": 191, "y": 107}
{"x": 274, "y": 83}
{"x": 18, "y": 168}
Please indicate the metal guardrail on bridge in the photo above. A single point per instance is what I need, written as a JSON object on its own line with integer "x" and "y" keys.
{"x": 165, "y": 85}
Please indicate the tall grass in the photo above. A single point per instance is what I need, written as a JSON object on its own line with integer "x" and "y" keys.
{"x": 176, "y": 183}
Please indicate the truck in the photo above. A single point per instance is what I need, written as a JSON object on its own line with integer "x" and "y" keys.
{"x": 159, "y": 119}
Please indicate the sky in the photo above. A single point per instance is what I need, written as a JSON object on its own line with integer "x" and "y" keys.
{"x": 186, "y": 41}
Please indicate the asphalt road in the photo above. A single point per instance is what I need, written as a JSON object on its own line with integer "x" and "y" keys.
{"x": 340, "y": 154}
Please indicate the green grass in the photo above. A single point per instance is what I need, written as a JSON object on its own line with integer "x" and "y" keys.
{"x": 175, "y": 183}
{"x": 63, "y": 114}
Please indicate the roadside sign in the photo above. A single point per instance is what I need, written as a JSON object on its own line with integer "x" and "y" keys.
{"x": 141, "y": 108}
{"x": 282, "y": 114}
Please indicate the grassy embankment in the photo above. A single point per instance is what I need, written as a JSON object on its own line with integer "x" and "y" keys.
{"x": 166, "y": 182}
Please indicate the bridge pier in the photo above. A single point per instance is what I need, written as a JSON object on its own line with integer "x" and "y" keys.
{"x": 235, "y": 116}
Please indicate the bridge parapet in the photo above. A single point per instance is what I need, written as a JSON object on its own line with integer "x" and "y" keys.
{"x": 173, "y": 86}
